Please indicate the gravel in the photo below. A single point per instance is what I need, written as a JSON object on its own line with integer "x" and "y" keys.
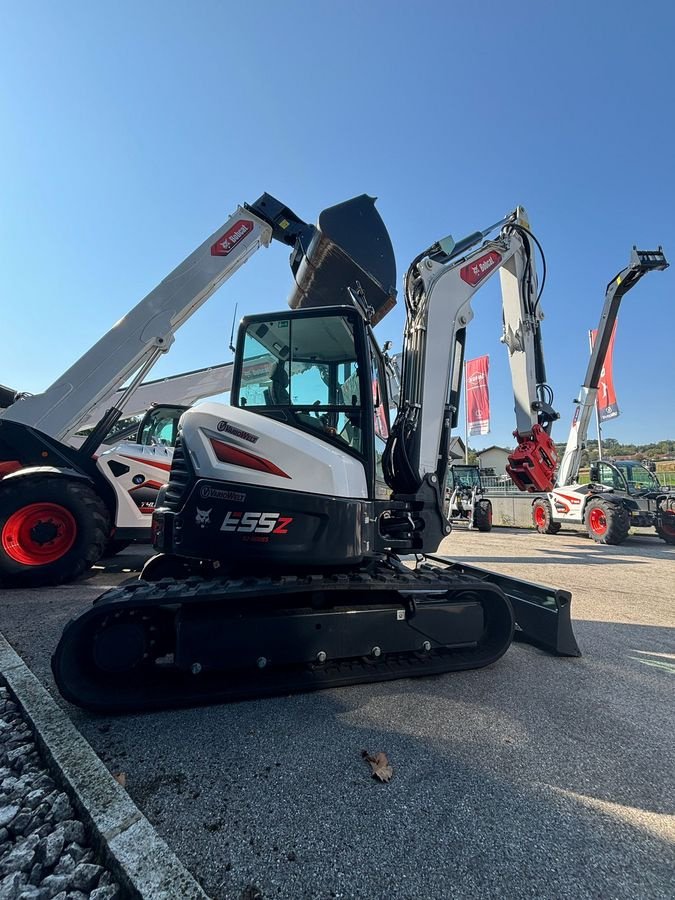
{"x": 44, "y": 851}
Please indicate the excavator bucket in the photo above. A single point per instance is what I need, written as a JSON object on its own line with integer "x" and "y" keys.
{"x": 542, "y": 614}
{"x": 349, "y": 248}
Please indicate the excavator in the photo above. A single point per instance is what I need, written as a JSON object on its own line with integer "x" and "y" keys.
{"x": 297, "y": 534}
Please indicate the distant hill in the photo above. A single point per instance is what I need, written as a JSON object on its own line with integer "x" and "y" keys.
{"x": 663, "y": 450}
{"x": 611, "y": 447}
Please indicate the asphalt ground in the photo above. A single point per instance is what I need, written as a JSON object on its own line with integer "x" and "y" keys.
{"x": 538, "y": 777}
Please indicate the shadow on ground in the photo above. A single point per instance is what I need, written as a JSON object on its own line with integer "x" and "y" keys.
{"x": 536, "y": 777}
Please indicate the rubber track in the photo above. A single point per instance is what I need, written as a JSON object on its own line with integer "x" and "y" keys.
{"x": 72, "y": 667}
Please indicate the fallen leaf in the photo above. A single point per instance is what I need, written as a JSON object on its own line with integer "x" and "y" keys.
{"x": 380, "y": 765}
{"x": 121, "y": 778}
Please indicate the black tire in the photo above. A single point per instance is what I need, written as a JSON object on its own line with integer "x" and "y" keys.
{"x": 606, "y": 523}
{"x": 542, "y": 517}
{"x": 482, "y": 515}
{"x": 52, "y": 529}
{"x": 666, "y": 529}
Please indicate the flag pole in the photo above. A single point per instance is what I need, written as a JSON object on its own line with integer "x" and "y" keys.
{"x": 597, "y": 410}
{"x": 466, "y": 418}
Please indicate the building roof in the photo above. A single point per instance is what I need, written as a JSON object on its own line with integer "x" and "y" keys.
{"x": 493, "y": 447}
{"x": 456, "y": 448}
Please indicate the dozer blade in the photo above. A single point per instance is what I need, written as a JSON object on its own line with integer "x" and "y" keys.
{"x": 542, "y": 614}
{"x": 349, "y": 248}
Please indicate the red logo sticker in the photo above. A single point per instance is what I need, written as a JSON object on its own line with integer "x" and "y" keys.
{"x": 232, "y": 237}
{"x": 476, "y": 271}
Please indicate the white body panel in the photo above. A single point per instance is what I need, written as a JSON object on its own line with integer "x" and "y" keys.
{"x": 136, "y": 490}
{"x": 311, "y": 465}
{"x": 568, "y": 503}
{"x": 144, "y": 333}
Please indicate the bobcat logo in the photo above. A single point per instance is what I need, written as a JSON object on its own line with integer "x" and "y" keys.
{"x": 203, "y": 517}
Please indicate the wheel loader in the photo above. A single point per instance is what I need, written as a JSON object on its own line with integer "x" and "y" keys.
{"x": 466, "y": 502}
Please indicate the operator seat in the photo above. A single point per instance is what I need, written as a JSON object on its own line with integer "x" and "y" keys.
{"x": 278, "y": 389}
{"x": 278, "y": 395}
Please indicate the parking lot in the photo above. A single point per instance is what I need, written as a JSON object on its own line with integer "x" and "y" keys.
{"x": 538, "y": 777}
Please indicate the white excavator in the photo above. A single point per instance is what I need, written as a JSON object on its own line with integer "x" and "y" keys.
{"x": 619, "y": 495}
{"x": 65, "y": 500}
{"x": 298, "y": 530}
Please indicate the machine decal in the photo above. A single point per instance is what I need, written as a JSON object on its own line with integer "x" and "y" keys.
{"x": 256, "y": 523}
{"x": 206, "y": 492}
{"x": 232, "y": 237}
{"x": 145, "y": 495}
{"x": 235, "y": 456}
{"x": 203, "y": 517}
{"x": 475, "y": 272}
{"x": 223, "y": 425}
{"x": 573, "y": 500}
{"x": 148, "y": 462}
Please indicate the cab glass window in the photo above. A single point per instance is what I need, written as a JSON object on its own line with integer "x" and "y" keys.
{"x": 160, "y": 428}
{"x": 308, "y": 369}
{"x": 380, "y": 423}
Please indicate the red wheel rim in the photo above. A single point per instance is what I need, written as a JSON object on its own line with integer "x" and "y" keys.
{"x": 39, "y": 533}
{"x": 540, "y": 516}
{"x": 597, "y": 520}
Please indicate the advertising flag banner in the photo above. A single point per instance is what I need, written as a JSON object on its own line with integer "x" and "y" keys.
{"x": 477, "y": 395}
{"x": 608, "y": 408}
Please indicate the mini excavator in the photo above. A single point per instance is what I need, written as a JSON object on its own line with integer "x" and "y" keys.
{"x": 298, "y": 531}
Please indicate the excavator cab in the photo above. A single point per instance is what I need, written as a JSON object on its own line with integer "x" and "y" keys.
{"x": 318, "y": 370}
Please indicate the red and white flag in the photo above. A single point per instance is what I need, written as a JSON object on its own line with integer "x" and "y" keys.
{"x": 477, "y": 395}
{"x": 608, "y": 408}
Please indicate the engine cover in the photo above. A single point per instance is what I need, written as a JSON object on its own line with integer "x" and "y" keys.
{"x": 237, "y": 523}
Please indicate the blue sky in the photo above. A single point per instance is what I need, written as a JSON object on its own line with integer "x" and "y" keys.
{"x": 132, "y": 130}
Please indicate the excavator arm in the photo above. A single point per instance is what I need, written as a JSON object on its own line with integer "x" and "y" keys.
{"x": 439, "y": 287}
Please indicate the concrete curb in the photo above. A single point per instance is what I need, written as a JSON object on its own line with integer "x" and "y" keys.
{"x": 131, "y": 847}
